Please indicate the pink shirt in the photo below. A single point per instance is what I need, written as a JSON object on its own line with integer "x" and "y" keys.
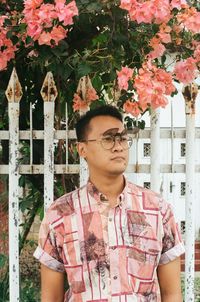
{"x": 109, "y": 254}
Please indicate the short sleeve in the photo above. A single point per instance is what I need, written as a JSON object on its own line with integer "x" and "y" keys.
{"x": 49, "y": 250}
{"x": 172, "y": 244}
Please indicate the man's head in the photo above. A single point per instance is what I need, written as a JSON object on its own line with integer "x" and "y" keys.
{"x": 83, "y": 124}
{"x": 103, "y": 141}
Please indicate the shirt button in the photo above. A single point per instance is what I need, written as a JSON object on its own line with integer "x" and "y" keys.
{"x": 115, "y": 277}
{"x": 113, "y": 247}
{"x": 110, "y": 219}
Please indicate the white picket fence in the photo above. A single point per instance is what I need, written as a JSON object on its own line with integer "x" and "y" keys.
{"x": 49, "y": 135}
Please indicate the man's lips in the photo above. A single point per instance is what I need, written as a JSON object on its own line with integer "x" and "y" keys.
{"x": 118, "y": 158}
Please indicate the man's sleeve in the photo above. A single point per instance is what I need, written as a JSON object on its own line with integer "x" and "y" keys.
{"x": 172, "y": 245}
{"x": 49, "y": 250}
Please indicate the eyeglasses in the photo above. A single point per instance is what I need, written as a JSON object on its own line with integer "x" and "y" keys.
{"x": 109, "y": 141}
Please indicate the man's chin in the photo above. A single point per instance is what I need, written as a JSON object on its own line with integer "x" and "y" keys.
{"x": 118, "y": 172}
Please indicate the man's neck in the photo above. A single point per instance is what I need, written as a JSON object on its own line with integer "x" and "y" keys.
{"x": 110, "y": 186}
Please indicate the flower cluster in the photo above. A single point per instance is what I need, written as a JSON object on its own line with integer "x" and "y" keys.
{"x": 157, "y": 11}
{"x": 151, "y": 84}
{"x": 162, "y": 37}
{"x": 7, "y": 48}
{"x": 190, "y": 18}
{"x": 186, "y": 71}
{"x": 46, "y": 22}
{"x": 124, "y": 75}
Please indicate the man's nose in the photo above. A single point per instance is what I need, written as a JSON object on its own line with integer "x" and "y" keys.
{"x": 117, "y": 144}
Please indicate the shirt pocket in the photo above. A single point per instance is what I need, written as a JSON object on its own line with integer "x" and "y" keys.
{"x": 141, "y": 266}
{"x": 143, "y": 231}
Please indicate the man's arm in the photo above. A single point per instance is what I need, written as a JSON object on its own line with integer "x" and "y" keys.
{"x": 52, "y": 285}
{"x": 169, "y": 278}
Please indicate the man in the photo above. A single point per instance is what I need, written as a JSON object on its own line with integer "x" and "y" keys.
{"x": 114, "y": 240}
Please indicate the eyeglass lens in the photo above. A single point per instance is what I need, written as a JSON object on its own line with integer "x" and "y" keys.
{"x": 108, "y": 142}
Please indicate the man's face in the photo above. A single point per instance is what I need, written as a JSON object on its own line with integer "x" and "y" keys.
{"x": 100, "y": 160}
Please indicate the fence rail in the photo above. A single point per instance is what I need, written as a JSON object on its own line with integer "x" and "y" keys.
{"x": 49, "y": 135}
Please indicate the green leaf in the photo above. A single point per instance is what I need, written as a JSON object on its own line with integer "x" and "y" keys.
{"x": 83, "y": 69}
{"x": 97, "y": 82}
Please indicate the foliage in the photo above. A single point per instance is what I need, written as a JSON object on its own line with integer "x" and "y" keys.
{"x": 128, "y": 51}
{"x": 102, "y": 39}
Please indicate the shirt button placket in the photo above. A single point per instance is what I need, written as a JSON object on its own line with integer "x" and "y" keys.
{"x": 113, "y": 252}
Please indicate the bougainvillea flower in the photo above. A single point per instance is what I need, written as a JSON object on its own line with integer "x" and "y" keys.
{"x": 186, "y": 71}
{"x": 123, "y": 76}
{"x": 79, "y": 104}
{"x": 132, "y": 108}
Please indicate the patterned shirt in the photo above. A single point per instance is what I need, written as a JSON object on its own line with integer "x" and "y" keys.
{"x": 109, "y": 254}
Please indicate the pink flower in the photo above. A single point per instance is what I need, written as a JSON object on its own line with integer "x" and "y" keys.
{"x": 126, "y": 4}
{"x": 32, "y": 4}
{"x": 91, "y": 95}
{"x": 58, "y": 33}
{"x": 193, "y": 23}
{"x": 152, "y": 84}
{"x": 186, "y": 71}
{"x": 66, "y": 12}
{"x": 46, "y": 14}
{"x": 178, "y": 4}
{"x": 157, "y": 52}
{"x": 124, "y": 75}
{"x": 162, "y": 13}
{"x": 158, "y": 100}
{"x": 197, "y": 54}
{"x": 166, "y": 78}
{"x": 7, "y": 49}
{"x": 45, "y": 38}
{"x": 190, "y": 19}
{"x": 132, "y": 108}
{"x": 46, "y": 21}
{"x": 149, "y": 11}
{"x": 79, "y": 104}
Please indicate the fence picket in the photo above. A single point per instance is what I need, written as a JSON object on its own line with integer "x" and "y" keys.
{"x": 14, "y": 94}
{"x": 190, "y": 93}
{"x": 49, "y": 94}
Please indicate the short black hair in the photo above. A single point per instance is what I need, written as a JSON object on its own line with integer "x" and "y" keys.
{"x": 82, "y": 125}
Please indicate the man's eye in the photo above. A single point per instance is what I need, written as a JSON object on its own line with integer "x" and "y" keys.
{"x": 124, "y": 138}
{"x": 107, "y": 139}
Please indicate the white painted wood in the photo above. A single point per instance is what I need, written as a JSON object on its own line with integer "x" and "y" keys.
{"x": 155, "y": 150}
{"x": 74, "y": 169}
{"x": 178, "y": 133}
{"x": 48, "y": 154}
{"x": 49, "y": 93}
{"x": 13, "y": 111}
{"x": 13, "y": 94}
{"x": 190, "y": 96}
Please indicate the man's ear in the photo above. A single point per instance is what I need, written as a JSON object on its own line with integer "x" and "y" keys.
{"x": 81, "y": 148}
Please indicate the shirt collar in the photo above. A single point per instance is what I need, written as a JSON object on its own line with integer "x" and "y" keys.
{"x": 102, "y": 199}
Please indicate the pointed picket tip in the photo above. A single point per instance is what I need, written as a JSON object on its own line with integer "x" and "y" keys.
{"x": 83, "y": 85}
{"x": 49, "y": 91}
{"x": 14, "y": 90}
{"x": 190, "y": 93}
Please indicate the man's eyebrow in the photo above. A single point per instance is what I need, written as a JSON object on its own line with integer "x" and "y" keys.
{"x": 113, "y": 131}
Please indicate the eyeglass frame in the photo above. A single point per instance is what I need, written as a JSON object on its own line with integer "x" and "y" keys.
{"x": 113, "y": 136}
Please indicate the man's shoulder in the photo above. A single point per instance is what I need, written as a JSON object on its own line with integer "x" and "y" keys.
{"x": 149, "y": 197}
{"x": 65, "y": 204}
